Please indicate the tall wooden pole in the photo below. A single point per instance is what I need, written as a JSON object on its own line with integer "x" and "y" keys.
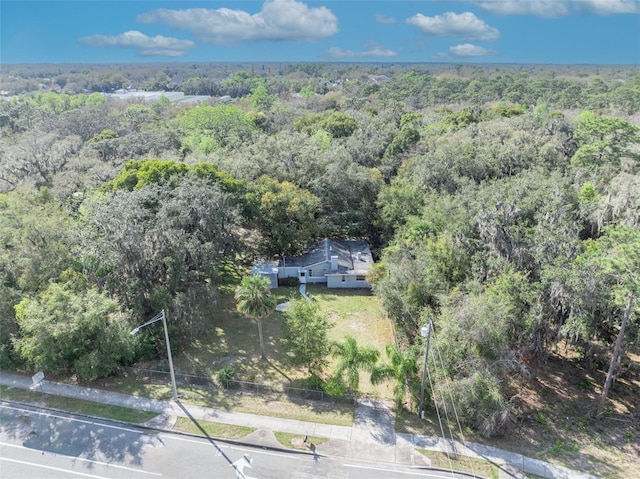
{"x": 171, "y": 370}
{"x": 425, "y": 332}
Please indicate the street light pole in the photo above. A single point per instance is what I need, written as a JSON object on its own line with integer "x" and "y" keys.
{"x": 425, "y": 332}
{"x": 161, "y": 317}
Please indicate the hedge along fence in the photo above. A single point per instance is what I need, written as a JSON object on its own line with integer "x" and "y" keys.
{"x": 231, "y": 385}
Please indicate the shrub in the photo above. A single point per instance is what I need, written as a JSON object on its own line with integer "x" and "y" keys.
{"x": 335, "y": 388}
{"x": 313, "y": 382}
{"x": 480, "y": 403}
{"x": 225, "y": 375}
{"x": 289, "y": 282}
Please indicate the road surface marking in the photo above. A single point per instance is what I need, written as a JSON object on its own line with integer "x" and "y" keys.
{"x": 76, "y": 458}
{"x": 206, "y": 442}
{"x": 51, "y": 468}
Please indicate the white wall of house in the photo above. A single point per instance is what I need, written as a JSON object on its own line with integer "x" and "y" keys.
{"x": 346, "y": 281}
{"x": 273, "y": 279}
{"x": 314, "y": 278}
{"x": 317, "y": 273}
{"x": 288, "y": 272}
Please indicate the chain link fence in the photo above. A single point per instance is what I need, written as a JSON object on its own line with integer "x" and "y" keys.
{"x": 231, "y": 385}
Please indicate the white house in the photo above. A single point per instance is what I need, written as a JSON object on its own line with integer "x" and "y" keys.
{"x": 337, "y": 263}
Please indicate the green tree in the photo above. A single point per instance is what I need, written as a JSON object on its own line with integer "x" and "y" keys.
{"x": 308, "y": 123}
{"x": 174, "y": 235}
{"x": 205, "y": 128}
{"x": 283, "y": 213}
{"x": 306, "y": 333}
{"x": 35, "y": 247}
{"x": 261, "y": 99}
{"x": 307, "y": 92}
{"x": 138, "y": 173}
{"x": 406, "y": 137}
{"x": 339, "y": 125}
{"x": 604, "y": 139}
{"x": 353, "y": 358}
{"x": 254, "y": 299}
{"x": 37, "y": 155}
{"x": 617, "y": 254}
{"x": 347, "y": 193}
{"x": 403, "y": 368}
{"x": 138, "y": 117}
{"x": 71, "y": 327}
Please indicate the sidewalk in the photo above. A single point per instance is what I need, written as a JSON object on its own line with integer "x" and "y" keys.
{"x": 371, "y": 437}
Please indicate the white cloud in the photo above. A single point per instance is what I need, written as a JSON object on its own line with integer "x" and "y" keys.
{"x": 539, "y": 8}
{"x": 464, "y": 25}
{"x": 143, "y": 44}
{"x": 558, "y": 8}
{"x": 469, "y": 50}
{"x": 385, "y": 19}
{"x": 279, "y": 20}
{"x": 370, "y": 50}
{"x": 609, "y": 7}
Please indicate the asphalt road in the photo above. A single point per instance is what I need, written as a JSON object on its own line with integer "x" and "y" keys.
{"x": 45, "y": 445}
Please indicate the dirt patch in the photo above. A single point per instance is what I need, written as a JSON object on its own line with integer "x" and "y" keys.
{"x": 553, "y": 418}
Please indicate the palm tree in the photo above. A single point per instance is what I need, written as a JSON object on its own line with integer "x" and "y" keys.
{"x": 255, "y": 300}
{"x": 352, "y": 359}
{"x": 403, "y": 368}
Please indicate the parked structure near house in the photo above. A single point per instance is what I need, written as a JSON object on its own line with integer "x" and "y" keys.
{"x": 338, "y": 263}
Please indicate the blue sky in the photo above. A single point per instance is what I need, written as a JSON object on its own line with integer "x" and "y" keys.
{"x": 491, "y": 31}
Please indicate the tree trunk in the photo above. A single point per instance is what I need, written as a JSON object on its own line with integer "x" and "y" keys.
{"x": 262, "y": 353}
{"x": 615, "y": 358}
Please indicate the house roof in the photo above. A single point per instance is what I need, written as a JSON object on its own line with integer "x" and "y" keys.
{"x": 265, "y": 268}
{"x": 354, "y": 256}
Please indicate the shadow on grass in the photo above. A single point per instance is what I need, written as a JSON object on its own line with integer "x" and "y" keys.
{"x": 280, "y": 371}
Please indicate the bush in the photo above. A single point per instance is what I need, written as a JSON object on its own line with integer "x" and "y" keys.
{"x": 480, "y": 403}
{"x": 314, "y": 382}
{"x": 225, "y": 375}
{"x": 335, "y": 388}
{"x": 289, "y": 282}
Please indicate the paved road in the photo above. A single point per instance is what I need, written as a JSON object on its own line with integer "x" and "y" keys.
{"x": 371, "y": 438}
{"x": 44, "y": 444}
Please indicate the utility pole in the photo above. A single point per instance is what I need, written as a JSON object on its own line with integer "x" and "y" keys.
{"x": 161, "y": 317}
{"x": 425, "y": 332}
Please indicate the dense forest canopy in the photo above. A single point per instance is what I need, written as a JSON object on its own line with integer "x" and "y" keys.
{"x": 501, "y": 202}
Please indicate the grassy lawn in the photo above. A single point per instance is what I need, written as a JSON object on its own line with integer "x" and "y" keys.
{"x": 295, "y": 441}
{"x": 359, "y": 314}
{"x": 233, "y": 338}
{"x": 90, "y": 408}
{"x": 233, "y": 341}
{"x": 213, "y": 429}
{"x": 461, "y": 463}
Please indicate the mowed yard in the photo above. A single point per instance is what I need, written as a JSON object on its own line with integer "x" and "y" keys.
{"x": 233, "y": 338}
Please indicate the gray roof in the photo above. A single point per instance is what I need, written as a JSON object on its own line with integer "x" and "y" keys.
{"x": 265, "y": 267}
{"x": 353, "y": 255}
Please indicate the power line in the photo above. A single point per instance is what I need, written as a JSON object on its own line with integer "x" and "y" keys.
{"x": 453, "y": 403}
